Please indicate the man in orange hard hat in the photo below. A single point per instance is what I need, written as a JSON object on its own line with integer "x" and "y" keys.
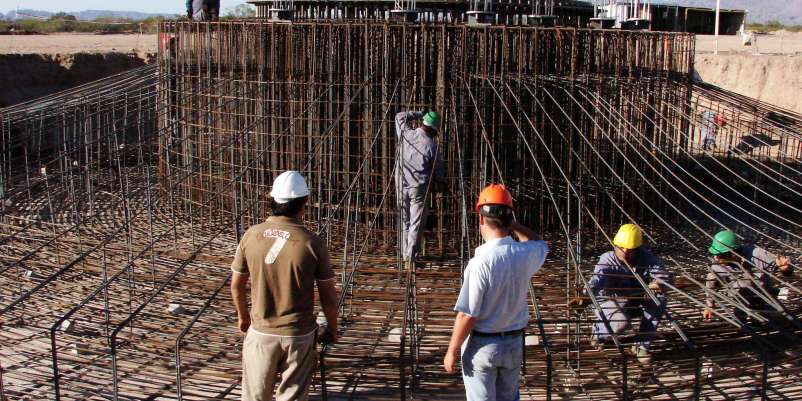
{"x": 622, "y": 297}
{"x": 492, "y": 310}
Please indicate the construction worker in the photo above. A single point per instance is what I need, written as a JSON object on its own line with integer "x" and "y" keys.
{"x": 492, "y": 310}
{"x": 742, "y": 271}
{"x": 421, "y": 173}
{"x": 284, "y": 261}
{"x": 621, "y": 296}
{"x": 203, "y": 10}
{"x": 711, "y": 122}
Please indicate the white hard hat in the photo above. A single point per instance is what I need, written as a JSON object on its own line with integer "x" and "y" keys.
{"x": 287, "y": 186}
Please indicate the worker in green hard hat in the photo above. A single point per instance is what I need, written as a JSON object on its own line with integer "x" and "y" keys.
{"x": 738, "y": 269}
{"x": 420, "y": 173}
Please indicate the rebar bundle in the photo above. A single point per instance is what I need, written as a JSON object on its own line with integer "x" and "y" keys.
{"x": 123, "y": 201}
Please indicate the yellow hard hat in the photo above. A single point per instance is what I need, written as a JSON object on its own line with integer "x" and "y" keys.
{"x": 629, "y": 236}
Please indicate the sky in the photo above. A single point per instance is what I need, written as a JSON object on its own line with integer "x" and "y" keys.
{"x": 147, "y": 6}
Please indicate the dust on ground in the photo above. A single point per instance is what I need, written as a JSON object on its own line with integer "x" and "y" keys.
{"x": 71, "y": 43}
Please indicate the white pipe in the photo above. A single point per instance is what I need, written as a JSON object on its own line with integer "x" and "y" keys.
{"x": 718, "y": 12}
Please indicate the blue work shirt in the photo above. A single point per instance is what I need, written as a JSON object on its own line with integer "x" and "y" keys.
{"x": 496, "y": 284}
{"x": 612, "y": 278}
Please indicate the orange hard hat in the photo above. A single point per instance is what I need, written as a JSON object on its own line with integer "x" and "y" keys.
{"x": 720, "y": 119}
{"x": 494, "y": 194}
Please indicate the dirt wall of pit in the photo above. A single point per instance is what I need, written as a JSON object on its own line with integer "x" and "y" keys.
{"x": 28, "y": 76}
{"x": 775, "y": 79}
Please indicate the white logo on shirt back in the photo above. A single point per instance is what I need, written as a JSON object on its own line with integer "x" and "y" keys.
{"x": 280, "y": 237}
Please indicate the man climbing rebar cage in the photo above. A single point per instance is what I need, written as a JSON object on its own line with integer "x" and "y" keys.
{"x": 203, "y": 10}
{"x": 621, "y": 295}
{"x": 492, "y": 309}
{"x": 745, "y": 272}
{"x": 284, "y": 261}
{"x": 421, "y": 174}
{"x": 711, "y": 123}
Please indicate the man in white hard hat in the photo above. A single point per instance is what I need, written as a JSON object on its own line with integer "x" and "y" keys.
{"x": 284, "y": 261}
{"x": 420, "y": 173}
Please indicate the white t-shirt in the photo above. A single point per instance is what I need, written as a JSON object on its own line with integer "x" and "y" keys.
{"x": 496, "y": 284}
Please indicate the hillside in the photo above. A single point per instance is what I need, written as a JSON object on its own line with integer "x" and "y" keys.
{"x": 788, "y": 12}
{"x": 86, "y": 15}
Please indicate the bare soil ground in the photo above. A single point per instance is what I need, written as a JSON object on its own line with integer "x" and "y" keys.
{"x": 77, "y": 43}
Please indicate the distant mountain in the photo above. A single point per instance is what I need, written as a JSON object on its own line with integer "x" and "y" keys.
{"x": 86, "y": 15}
{"x": 788, "y": 12}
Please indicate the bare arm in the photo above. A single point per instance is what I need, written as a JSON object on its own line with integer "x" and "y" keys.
{"x": 239, "y": 283}
{"x": 524, "y": 233}
{"x": 328, "y": 302}
{"x": 463, "y": 324}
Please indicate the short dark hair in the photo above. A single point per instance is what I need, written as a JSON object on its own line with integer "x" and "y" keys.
{"x": 499, "y": 222}
{"x": 289, "y": 209}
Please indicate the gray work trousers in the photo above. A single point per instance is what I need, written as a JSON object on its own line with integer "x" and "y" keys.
{"x": 620, "y": 312}
{"x": 413, "y": 209}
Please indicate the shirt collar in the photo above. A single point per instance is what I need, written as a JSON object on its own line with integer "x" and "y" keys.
{"x": 285, "y": 221}
{"x": 493, "y": 243}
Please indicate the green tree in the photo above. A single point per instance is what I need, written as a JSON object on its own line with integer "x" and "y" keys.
{"x": 62, "y": 16}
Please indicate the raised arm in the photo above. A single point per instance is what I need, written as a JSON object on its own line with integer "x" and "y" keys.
{"x": 403, "y": 120}
{"x": 524, "y": 233}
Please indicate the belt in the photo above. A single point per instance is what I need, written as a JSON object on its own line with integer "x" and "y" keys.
{"x": 511, "y": 333}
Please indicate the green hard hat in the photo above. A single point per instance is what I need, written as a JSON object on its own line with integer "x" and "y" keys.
{"x": 725, "y": 241}
{"x": 431, "y": 119}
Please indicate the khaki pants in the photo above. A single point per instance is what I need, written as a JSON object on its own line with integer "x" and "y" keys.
{"x": 265, "y": 355}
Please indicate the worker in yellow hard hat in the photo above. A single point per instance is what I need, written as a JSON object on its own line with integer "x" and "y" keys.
{"x": 622, "y": 297}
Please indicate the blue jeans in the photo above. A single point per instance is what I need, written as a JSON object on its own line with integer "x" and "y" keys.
{"x": 491, "y": 368}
